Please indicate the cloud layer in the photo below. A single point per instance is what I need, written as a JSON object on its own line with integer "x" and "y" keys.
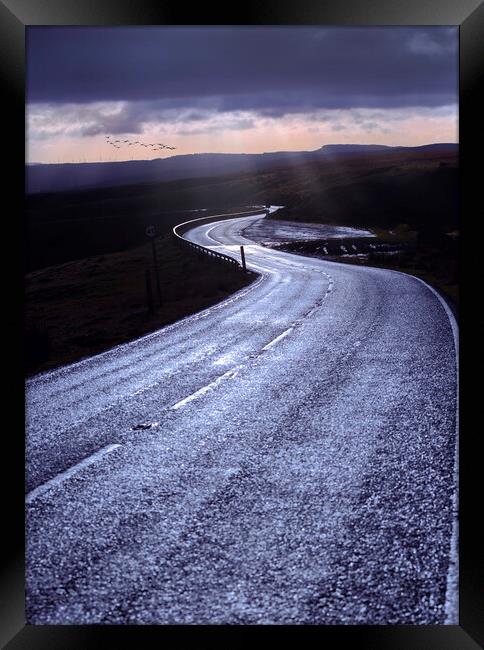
{"x": 46, "y": 121}
{"x": 238, "y": 89}
{"x": 268, "y": 70}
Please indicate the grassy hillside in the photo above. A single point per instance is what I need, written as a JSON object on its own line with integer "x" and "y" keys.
{"x": 424, "y": 196}
{"x": 86, "y": 306}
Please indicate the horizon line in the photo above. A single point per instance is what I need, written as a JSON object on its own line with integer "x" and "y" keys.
{"x": 243, "y": 153}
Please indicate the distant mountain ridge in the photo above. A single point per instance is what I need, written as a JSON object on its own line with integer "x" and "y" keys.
{"x": 370, "y": 148}
{"x": 72, "y": 176}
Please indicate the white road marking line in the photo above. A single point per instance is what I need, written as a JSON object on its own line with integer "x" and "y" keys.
{"x": 452, "y": 587}
{"x": 277, "y": 339}
{"x": 142, "y": 390}
{"x": 201, "y": 391}
{"x": 226, "y": 358}
{"x": 60, "y": 478}
{"x": 209, "y": 230}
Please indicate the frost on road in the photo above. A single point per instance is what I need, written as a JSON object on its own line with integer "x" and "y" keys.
{"x": 286, "y": 456}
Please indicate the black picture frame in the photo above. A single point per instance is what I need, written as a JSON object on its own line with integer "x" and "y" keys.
{"x": 15, "y": 16}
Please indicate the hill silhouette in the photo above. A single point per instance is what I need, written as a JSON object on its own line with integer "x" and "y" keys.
{"x": 372, "y": 188}
{"x": 72, "y": 176}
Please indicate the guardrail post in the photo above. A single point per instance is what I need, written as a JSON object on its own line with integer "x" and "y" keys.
{"x": 207, "y": 254}
{"x": 242, "y": 255}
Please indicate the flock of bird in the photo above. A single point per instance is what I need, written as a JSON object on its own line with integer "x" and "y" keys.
{"x": 155, "y": 146}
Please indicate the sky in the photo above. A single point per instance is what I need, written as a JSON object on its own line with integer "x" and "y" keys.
{"x": 236, "y": 89}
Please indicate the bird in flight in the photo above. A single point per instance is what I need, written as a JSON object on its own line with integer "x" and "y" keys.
{"x": 155, "y": 146}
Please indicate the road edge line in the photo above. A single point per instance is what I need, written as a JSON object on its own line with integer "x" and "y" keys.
{"x": 63, "y": 476}
{"x": 451, "y": 606}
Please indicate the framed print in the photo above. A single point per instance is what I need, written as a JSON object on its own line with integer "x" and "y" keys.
{"x": 244, "y": 242}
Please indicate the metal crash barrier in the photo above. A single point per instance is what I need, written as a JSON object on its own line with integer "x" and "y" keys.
{"x": 203, "y": 251}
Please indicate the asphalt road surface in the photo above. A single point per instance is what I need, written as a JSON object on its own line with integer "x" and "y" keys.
{"x": 287, "y": 456}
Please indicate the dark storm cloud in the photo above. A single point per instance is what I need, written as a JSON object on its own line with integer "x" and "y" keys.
{"x": 269, "y": 71}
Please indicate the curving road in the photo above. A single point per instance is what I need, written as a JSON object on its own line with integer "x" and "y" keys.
{"x": 287, "y": 456}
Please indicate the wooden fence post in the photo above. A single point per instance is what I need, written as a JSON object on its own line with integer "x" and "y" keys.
{"x": 242, "y": 255}
{"x": 149, "y": 292}
{"x": 157, "y": 273}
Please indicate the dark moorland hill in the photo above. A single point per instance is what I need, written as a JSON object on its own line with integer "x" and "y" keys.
{"x": 72, "y": 176}
{"x": 381, "y": 190}
{"x": 361, "y": 187}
